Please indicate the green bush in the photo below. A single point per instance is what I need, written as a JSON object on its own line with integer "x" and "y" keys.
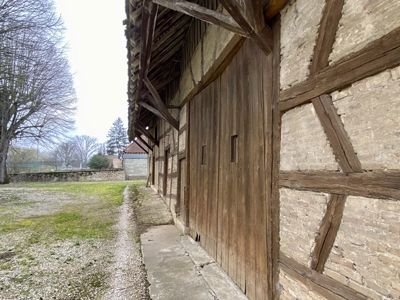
{"x": 99, "y": 161}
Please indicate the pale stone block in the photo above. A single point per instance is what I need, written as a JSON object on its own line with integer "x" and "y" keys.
{"x": 304, "y": 144}
{"x": 301, "y": 215}
{"x": 300, "y": 22}
{"x": 362, "y": 22}
{"x": 370, "y": 112}
{"x": 370, "y": 245}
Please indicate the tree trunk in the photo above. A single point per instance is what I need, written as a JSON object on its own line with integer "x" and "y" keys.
{"x": 4, "y": 145}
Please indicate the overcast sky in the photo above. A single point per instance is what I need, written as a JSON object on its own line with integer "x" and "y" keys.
{"x": 97, "y": 55}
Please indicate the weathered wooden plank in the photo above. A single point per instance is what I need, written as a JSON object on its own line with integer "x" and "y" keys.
{"x": 256, "y": 14}
{"x": 379, "y": 55}
{"x": 273, "y": 207}
{"x": 324, "y": 285}
{"x": 204, "y": 14}
{"x": 385, "y": 185}
{"x": 160, "y": 104}
{"x": 336, "y": 134}
{"x": 241, "y": 179}
{"x": 327, "y": 232}
{"x": 231, "y": 109}
{"x": 326, "y": 34}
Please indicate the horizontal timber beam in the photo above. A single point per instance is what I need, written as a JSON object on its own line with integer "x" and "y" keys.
{"x": 377, "y": 56}
{"x": 204, "y": 14}
{"x": 385, "y": 185}
{"x": 322, "y": 284}
{"x": 160, "y": 104}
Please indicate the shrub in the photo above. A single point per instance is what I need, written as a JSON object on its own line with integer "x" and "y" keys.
{"x": 99, "y": 161}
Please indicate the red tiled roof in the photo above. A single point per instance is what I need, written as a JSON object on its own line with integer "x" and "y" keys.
{"x": 133, "y": 148}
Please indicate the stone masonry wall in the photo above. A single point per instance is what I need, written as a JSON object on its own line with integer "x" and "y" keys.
{"x": 300, "y": 222}
{"x": 362, "y": 22}
{"x": 304, "y": 144}
{"x": 84, "y": 175}
{"x": 299, "y": 27}
{"x": 366, "y": 254}
{"x": 136, "y": 167}
{"x": 370, "y": 112}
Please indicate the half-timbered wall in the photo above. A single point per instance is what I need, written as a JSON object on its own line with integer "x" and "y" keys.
{"x": 293, "y": 159}
{"x": 351, "y": 239}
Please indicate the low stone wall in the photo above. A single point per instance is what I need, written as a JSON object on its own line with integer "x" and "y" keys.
{"x": 81, "y": 175}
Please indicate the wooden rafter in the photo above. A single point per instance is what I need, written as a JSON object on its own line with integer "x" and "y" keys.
{"x": 151, "y": 108}
{"x": 384, "y": 185}
{"x": 158, "y": 103}
{"x": 204, "y": 14}
{"x": 139, "y": 128}
{"x": 139, "y": 137}
{"x": 337, "y": 135}
{"x": 327, "y": 232}
{"x": 262, "y": 33}
{"x": 141, "y": 147}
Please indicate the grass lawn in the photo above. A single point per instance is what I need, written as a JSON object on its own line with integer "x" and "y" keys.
{"x": 57, "y": 239}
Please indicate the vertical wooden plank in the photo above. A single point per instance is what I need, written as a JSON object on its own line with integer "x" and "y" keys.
{"x": 241, "y": 179}
{"x": 264, "y": 73}
{"x": 222, "y": 211}
{"x": 226, "y": 192}
{"x": 232, "y": 175}
{"x": 267, "y": 75}
{"x": 274, "y": 217}
{"x": 249, "y": 174}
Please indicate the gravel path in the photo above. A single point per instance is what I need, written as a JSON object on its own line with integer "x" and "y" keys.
{"x": 128, "y": 275}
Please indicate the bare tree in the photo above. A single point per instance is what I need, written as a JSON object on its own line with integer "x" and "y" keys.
{"x": 36, "y": 91}
{"x": 85, "y": 147}
{"x": 66, "y": 153}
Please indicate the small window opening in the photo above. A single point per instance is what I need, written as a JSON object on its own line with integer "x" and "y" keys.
{"x": 203, "y": 155}
{"x": 234, "y": 148}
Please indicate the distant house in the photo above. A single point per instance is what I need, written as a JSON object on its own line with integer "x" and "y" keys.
{"x": 115, "y": 162}
{"x": 135, "y": 162}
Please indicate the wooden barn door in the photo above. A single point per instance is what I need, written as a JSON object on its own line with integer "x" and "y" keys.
{"x": 229, "y": 160}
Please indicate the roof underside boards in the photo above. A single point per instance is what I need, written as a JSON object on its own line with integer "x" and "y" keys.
{"x": 160, "y": 43}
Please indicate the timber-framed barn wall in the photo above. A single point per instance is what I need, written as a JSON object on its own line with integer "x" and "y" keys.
{"x": 284, "y": 160}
